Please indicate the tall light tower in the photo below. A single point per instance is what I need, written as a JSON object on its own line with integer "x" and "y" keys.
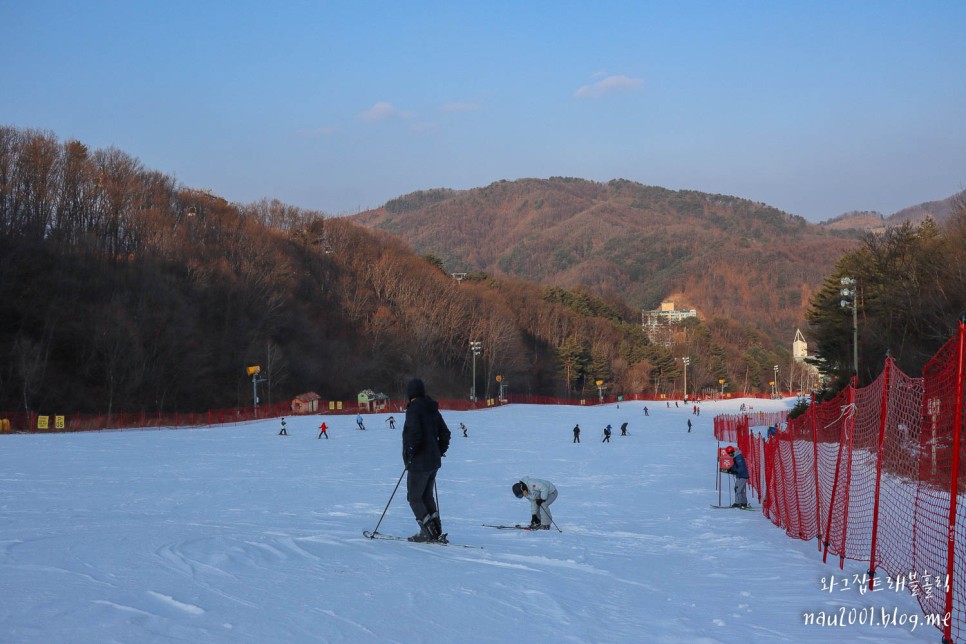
{"x": 686, "y": 360}
{"x": 849, "y": 299}
{"x": 253, "y": 371}
{"x": 477, "y": 348}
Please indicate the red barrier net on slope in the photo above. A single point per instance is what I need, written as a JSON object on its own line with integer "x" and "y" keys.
{"x": 939, "y": 534}
{"x": 876, "y": 474}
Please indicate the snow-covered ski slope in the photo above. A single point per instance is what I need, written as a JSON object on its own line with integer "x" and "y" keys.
{"x": 235, "y": 534}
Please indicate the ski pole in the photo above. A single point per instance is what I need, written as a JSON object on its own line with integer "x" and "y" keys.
{"x": 554, "y": 523}
{"x": 436, "y": 496}
{"x": 438, "y": 514}
{"x": 390, "y": 501}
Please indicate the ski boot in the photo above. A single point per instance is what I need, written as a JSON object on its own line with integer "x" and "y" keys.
{"x": 427, "y": 530}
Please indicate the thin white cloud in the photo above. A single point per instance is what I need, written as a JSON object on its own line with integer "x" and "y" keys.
{"x": 608, "y": 85}
{"x": 383, "y": 110}
{"x": 459, "y": 107}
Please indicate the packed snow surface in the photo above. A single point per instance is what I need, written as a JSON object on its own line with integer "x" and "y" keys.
{"x": 236, "y": 534}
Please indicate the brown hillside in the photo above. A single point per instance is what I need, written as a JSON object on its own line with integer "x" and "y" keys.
{"x": 940, "y": 210}
{"x": 725, "y": 256}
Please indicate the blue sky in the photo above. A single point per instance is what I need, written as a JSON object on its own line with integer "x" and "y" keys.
{"x": 816, "y": 108}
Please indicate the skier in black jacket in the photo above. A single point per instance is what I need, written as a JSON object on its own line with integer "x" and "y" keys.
{"x": 425, "y": 439}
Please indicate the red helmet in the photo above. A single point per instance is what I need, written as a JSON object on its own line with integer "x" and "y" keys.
{"x": 730, "y": 449}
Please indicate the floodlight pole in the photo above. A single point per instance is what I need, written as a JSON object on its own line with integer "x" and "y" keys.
{"x": 850, "y": 298}
{"x": 686, "y": 360}
{"x": 477, "y": 348}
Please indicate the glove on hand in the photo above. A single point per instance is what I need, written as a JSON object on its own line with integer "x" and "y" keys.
{"x": 539, "y": 501}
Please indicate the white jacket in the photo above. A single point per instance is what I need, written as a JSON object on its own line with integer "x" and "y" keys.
{"x": 538, "y": 489}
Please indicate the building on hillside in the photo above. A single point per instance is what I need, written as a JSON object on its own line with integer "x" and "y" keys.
{"x": 372, "y": 401}
{"x": 799, "y": 346}
{"x": 804, "y": 374}
{"x": 307, "y": 403}
{"x": 659, "y": 323}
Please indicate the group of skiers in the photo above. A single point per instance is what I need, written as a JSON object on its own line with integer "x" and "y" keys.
{"x": 607, "y": 432}
{"x": 426, "y": 439}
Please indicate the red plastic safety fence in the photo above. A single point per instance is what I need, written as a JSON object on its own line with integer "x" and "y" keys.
{"x": 877, "y": 475}
{"x": 726, "y": 425}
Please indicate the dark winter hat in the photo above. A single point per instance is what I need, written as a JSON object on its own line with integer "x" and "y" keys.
{"x": 415, "y": 388}
{"x": 518, "y": 488}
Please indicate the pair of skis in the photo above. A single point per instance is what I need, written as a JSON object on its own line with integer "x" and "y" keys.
{"x": 733, "y": 507}
{"x": 442, "y": 541}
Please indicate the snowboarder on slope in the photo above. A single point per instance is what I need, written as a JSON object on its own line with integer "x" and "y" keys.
{"x": 541, "y": 494}
{"x": 283, "y": 431}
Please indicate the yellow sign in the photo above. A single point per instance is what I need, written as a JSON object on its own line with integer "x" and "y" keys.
{"x": 43, "y": 422}
{"x": 499, "y": 378}
{"x": 721, "y": 381}
{"x": 599, "y": 382}
{"x": 254, "y": 370}
{"x": 59, "y": 422}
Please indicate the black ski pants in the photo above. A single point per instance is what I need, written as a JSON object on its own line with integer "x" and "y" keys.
{"x": 419, "y": 492}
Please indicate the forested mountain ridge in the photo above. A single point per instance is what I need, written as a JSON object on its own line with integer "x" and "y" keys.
{"x": 124, "y": 291}
{"x": 725, "y": 256}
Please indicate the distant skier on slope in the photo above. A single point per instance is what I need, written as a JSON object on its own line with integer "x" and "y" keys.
{"x": 359, "y": 421}
{"x": 541, "y": 494}
{"x": 624, "y": 429}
